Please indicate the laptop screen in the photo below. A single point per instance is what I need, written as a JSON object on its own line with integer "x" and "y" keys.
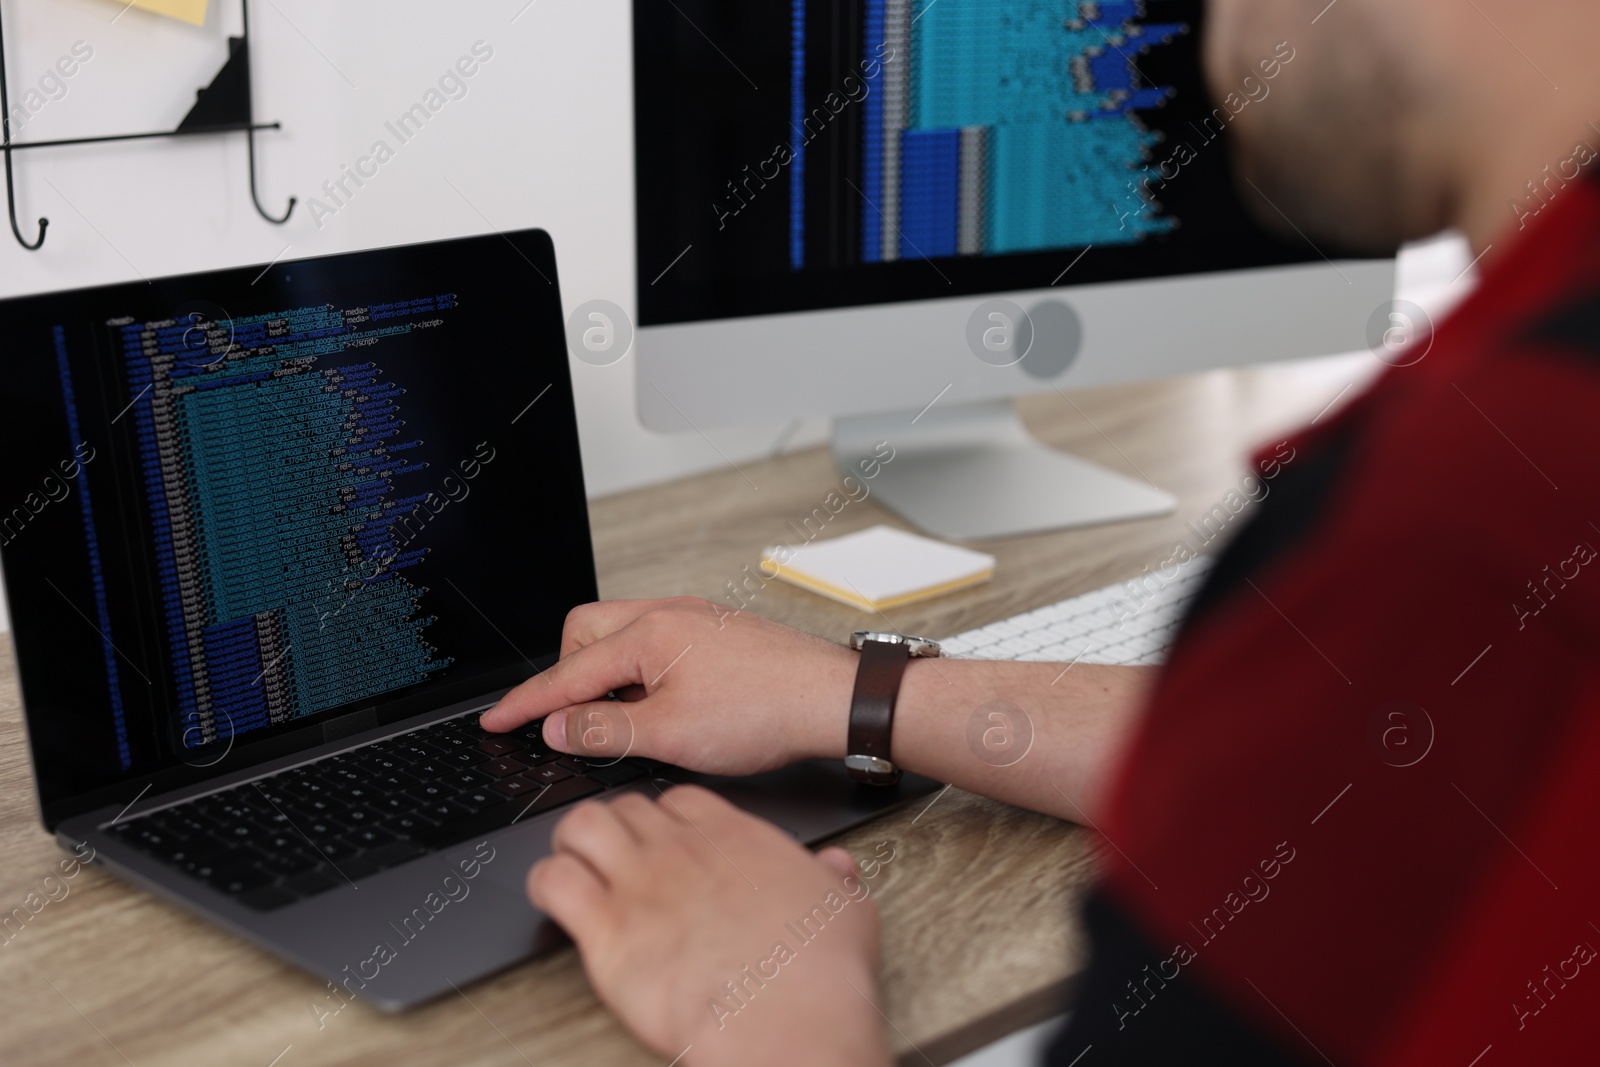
{"x": 246, "y": 511}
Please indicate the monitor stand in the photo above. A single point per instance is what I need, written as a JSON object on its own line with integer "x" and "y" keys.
{"x": 972, "y": 471}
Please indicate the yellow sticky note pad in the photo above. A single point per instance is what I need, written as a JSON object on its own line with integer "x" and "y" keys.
{"x": 878, "y": 568}
{"x": 191, "y": 11}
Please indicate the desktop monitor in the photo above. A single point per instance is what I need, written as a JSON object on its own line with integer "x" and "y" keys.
{"x": 905, "y": 213}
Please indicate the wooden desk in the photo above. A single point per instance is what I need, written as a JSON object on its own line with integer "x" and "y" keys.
{"x": 978, "y": 907}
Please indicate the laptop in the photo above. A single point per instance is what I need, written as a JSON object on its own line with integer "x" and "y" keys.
{"x": 273, "y": 537}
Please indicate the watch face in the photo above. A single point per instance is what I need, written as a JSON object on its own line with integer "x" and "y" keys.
{"x": 914, "y": 646}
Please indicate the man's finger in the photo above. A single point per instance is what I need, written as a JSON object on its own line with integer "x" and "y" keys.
{"x": 595, "y": 834}
{"x": 587, "y": 674}
{"x": 568, "y": 890}
{"x": 840, "y": 860}
{"x": 588, "y": 623}
{"x": 601, "y": 729}
{"x": 644, "y": 818}
{"x": 697, "y": 805}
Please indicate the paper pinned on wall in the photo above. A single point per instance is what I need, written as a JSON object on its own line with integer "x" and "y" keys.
{"x": 190, "y": 11}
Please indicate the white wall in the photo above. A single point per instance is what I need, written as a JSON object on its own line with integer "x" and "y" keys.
{"x": 542, "y": 138}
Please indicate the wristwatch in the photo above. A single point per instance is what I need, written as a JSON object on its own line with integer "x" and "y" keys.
{"x": 883, "y": 663}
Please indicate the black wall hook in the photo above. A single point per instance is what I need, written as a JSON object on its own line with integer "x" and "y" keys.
{"x": 11, "y": 207}
{"x": 250, "y": 149}
{"x": 227, "y": 105}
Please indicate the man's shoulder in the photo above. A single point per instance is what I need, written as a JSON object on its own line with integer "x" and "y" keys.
{"x": 1571, "y": 328}
{"x": 1495, "y": 414}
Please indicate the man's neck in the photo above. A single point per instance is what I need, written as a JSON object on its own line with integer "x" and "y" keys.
{"x": 1522, "y": 121}
{"x": 1512, "y": 184}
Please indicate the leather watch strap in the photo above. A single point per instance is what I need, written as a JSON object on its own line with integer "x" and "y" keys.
{"x": 872, "y": 707}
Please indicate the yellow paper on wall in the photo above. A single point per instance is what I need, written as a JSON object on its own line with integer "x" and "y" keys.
{"x": 191, "y": 11}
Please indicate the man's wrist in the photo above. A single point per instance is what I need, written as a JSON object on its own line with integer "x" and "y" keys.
{"x": 830, "y": 721}
{"x": 853, "y": 1037}
{"x": 827, "y": 720}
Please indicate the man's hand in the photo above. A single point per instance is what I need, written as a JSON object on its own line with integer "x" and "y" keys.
{"x": 731, "y": 693}
{"x": 712, "y": 933}
{"x": 708, "y": 689}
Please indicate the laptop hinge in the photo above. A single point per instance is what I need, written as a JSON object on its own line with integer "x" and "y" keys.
{"x": 353, "y": 723}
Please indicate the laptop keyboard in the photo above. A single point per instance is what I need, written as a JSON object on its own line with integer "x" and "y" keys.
{"x": 292, "y": 835}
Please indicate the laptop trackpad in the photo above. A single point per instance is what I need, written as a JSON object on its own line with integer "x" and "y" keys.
{"x": 520, "y": 846}
{"x": 810, "y": 800}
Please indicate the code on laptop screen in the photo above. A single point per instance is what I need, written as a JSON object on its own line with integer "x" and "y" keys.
{"x": 284, "y": 492}
{"x": 241, "y": 508}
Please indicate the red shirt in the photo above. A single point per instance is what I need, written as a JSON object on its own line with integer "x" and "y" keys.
{"x": 1364, "y": 803}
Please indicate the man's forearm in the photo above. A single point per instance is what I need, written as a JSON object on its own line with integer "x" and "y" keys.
{"x": 755, "y": 695}
{"x": 1036, "y": 735}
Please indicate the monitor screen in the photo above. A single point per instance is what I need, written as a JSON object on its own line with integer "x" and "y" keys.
{"x": 803, "y": 155}
{"x": 241, "y": 505}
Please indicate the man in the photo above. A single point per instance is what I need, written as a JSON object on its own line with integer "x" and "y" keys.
{"x": 1354, "y": 813}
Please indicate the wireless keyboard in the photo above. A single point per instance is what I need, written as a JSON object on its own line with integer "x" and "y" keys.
{"x": 1130, "y": 623}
